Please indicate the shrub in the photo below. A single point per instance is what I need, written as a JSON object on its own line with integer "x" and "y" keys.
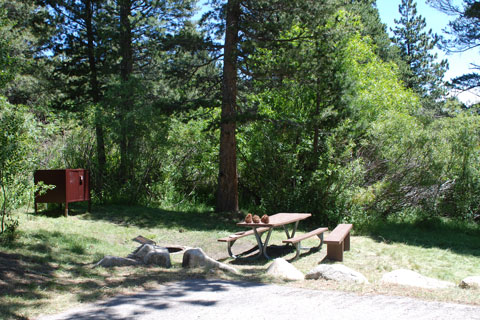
{"x": 18, "y": 132}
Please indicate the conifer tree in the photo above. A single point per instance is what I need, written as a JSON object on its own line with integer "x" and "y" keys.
{"x": 465, "y": 35}
{"x": 246, "y": 26}
{"x": 423, "y": 74}
{"x": 6, "y": 73}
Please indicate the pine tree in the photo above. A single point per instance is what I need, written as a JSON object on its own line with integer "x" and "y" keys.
{"x": 465, "y": 32}
{"x": 6, "y": 72}
{"x": 26, "y": 35}
{"x": 105, "y": 53}
{"x": 423, "y": 74}
{"x": 373, "y": 26}
{"x": 248, "y": 25}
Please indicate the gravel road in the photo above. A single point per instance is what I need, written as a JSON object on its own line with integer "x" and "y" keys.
{"x": 230, "y": 300}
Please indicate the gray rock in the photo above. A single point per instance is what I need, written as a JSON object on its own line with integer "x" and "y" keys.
{"x": 336, "y": 272}
{"x": 470, "y": 282}
{"x": 282, "y": 269}
{"x": 414, "y": 279}
{"x": 144, "y": 254}
{"x": 112, "y": 261}
{"x": 142, "y": 251}
{"x": 196, "y": 257}
{"x": 159, "y": 257}
{"x": 152, "y": 254}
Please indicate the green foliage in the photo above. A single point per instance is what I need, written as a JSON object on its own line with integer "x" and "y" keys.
{"x": 373, "y": 27}
{"x": 281, "y": 168}
{"x": 6, "y": 61}
{"x": 25, "y": 32}
{"x": 189, "y": 166}
{"x": 464, "y": 35}
{"x": 375, "y": 88}
{"x": 18, "y": 136}
{"x": 433, "y": 167}
{"x": 423, "y": 74}
{"x": 324, "y": 122}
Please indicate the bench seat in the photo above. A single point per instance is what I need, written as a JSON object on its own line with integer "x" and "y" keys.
{"x": 230, "y": 240}
{"x": 297, "y": 240}
{"x": 338, "y": 241}
{"x": 234, "y": 237}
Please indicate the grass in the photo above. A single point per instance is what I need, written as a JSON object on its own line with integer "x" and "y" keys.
{"x": 48, "y": 268}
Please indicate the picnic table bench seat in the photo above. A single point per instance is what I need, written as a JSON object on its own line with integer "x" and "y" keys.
{"x": 338, "y": 241}
{"x": 298, "y": 239}
{"x": 230, "y": 240}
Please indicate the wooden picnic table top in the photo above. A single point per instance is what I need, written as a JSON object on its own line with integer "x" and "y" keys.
{"x": 278, "y": 219}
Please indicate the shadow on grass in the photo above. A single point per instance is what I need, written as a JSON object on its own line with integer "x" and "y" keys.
{"x": 457, "y": 237}
{"x": 57, "y": 210}
{"x": 50, "y": 264}
{"x": 250, "y": 257}
{"x": 145, "y": 217}
{"x": 29, "y": 277}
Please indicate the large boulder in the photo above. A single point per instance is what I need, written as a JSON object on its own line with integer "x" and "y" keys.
{"x": 196, "y": 257}
{"x": 112, "y": 261}
{"x": 151, "y": 254}
{"x": 282, "y": 269}
{"x": 470, "y": 282}
{"x": 414, "y": 279}
{"x": 336, "y": 272}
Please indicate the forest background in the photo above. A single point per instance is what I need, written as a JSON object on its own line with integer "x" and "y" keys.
{"x": 264, "y": 106}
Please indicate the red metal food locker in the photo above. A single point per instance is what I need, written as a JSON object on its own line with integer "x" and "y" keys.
{"x": 71, "y": 185}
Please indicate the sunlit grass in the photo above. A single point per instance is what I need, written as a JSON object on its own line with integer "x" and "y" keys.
{"x": 53, "y": 256}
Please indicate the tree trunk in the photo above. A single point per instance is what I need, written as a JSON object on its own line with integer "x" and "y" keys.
{"x": 4, "y": 207}
{"x": 227, "y": 193}
{"x": 95, "y": 92}
{"x": 126, "y": 69}
{"x": 316, "y": 128}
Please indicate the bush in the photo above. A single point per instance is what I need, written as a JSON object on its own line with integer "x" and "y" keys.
{"x": 18, "y": 142}
{"x": 433, "y": 167}
{"x": 190, "y": 161}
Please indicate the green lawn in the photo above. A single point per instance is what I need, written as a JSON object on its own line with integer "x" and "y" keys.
{"x": 48, "y": 268}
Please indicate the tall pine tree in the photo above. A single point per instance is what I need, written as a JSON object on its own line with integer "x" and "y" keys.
{"x": 246, "y": 26}
{"x": 423, "y": 74}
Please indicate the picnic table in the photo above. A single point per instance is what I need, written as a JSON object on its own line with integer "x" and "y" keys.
{"x": 276, "y": 220}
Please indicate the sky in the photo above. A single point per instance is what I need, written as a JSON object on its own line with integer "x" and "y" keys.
{"x": 437, "y": 21}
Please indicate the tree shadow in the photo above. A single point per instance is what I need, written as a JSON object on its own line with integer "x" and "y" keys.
{"x": 20, "y": 276}
{"x": 458, "y": 238}
{"x": 149, "y": 301}
{"x": 49, "y": 264}
{"x": 57, "y": 210}
{"x": 250, "y": 257}
{"x": 145, "y": 217}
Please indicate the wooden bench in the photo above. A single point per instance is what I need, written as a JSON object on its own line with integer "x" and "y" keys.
{"x": 338, "y": 241}
{"x": 297, "y": 240}
{"x": 230, "y": 240}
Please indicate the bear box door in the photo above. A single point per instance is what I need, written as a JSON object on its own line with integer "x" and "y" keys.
{"x": 76, "y": 180}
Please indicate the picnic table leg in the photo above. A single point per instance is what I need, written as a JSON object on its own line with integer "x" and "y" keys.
{"x": 293, "y": 231}
{"x": 298, "y": 247}
{"x": 320, "y": 236}
{"x": 295, "y": 228}
{"x": 229, "y": 248}
{"x": 262, "y": 247}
